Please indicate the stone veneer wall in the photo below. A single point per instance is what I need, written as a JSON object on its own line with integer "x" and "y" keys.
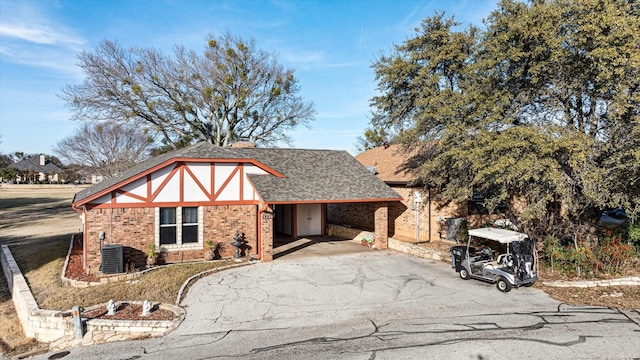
{"x": 393, "y": 244}
{"x": 134, "y": 228}
{"x": 402, "y": 217}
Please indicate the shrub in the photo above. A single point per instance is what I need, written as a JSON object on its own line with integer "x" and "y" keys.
{"x": 613, "y": 255}
{"x": 634, "y": 234}
{"x": 609, "y": 256}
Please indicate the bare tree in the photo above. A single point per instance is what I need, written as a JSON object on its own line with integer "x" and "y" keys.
{"x": 231, "y": 91}
{"x": 107, "y": 148}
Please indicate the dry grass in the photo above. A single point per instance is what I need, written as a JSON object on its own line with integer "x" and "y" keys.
{"x": 38, "y": 224}
{"x": 12, "y": 339}
{"x": 43, "y": 274}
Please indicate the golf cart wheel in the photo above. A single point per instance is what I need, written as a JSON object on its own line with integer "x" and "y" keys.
{"x": 503, "y": 285}
{"x": 464, "y": 274}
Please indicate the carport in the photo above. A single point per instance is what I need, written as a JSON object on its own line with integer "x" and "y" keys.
{"x": 288, "y": 227}
{"x": 295, "y": 202}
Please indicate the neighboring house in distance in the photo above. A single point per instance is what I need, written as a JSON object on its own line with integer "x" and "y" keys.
{"x": 181, "y": 199}
{"x": 37, "y": 168}
{"x": 94, "y": 178}
{"x": 89, "y": 176}
{"x": 419, "y": 217}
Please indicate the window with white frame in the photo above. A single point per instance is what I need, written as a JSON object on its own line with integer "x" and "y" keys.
{"x": 189, "y": 225}
{"x": 179, "y": 227}
{"x": 168, "y": 226}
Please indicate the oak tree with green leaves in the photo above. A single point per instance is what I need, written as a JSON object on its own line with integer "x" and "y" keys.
{"x": 543, "y": 105}
{"x": 231, "y": 91}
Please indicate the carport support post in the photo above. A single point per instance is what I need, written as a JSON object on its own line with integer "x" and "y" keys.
{"x": 382, "y": 226}
{"x": 266, "y": 233}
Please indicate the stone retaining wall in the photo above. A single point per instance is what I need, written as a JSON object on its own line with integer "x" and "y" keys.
{"x": 57, "y": 326}
{"x": 627, "y": 281}
{"x": 415, "y": 250}
{"x": 393, "y": 244}
{"x": 43, "y": 325}
{"x": 346, "y": 232}
{"x": 103, "y": 330}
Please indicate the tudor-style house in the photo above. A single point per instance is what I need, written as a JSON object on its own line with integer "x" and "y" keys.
{"x": 181, "y": 199}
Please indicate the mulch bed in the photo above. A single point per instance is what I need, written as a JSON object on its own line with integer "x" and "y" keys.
{"x": 74, "y": 266}
{"x": 127, "y": 311}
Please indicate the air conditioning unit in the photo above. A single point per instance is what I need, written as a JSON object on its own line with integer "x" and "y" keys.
{"x": 112, "y": 262}
{"x": 452, "y": 226}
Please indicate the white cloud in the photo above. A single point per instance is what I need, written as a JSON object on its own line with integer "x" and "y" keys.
{"x": 57, "y": 59}
{"x": 32, "y": 37}
{"x": 40, "y": 34}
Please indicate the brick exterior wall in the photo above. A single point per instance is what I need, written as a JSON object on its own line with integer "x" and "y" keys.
{"x": 381, "y": 227}
{"x": 221, "y": 223}
{"x": 134, "y": 228}
{"x": 361, "y": 215}
{"x": 266, "y": 234}
{"x": 402, "y": 217}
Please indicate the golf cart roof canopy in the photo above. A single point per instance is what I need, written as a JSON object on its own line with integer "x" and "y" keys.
{"x": 500, "y": 235}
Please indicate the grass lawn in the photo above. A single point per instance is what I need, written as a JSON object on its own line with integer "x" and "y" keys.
{"x": 37, "y": 224}
{"x": 43, "y": 269}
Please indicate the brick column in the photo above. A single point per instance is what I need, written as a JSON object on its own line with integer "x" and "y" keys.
{"x": 266, "y": 234}
{"x": 382, "y": 226}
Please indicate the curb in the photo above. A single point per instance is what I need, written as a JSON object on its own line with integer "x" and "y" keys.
{"x": 626, "y": 281}
{"x": 197, "y": 276}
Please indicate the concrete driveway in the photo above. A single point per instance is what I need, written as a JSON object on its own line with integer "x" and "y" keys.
{"x": 375, "y": 305}
{"x": 315, "y": 246}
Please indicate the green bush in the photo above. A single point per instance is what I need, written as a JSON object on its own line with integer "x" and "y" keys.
{"x": 609, "y": 256}
{"x": 634, "y": 234}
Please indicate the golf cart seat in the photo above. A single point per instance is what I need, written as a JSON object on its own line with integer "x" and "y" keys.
{"x": 505, "y": 260}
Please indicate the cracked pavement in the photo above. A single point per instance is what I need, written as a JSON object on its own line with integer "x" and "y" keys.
{"x": 376, "y": 305}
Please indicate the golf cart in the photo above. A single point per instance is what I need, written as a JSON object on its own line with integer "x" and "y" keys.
{"x": 512, "y": 267}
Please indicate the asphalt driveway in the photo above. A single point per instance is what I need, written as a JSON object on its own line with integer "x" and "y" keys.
{"x": 323, "y": 290}
{"x": 375, "y": 305}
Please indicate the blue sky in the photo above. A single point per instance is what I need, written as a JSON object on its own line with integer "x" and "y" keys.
{"x": 330, "y": 45}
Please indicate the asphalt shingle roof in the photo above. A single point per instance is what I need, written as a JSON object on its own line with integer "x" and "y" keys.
{"x": 310, "y": 175}
{"x": 392, "y": 164}
{"x": 33, "y": 163}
